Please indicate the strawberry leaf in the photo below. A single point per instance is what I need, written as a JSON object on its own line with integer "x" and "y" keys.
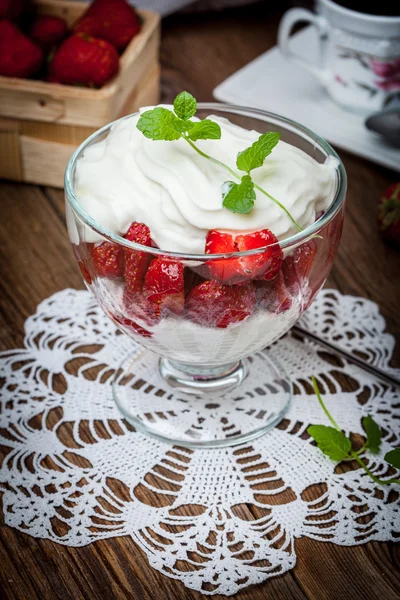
{"x": 373, "y": 432}
{"x": 254, "y": 157}
{"x": 241, "y": 196}
{"x": 185, "y": 105}
{"x": 330, "y": 441}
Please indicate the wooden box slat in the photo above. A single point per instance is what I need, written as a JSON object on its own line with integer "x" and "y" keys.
{"x": 41, "y": 123}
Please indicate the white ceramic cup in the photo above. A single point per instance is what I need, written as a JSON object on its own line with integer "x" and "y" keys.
{"x": 359, "y": 58}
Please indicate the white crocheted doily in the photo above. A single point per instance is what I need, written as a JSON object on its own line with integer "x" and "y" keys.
{"x": 67, "y": 450}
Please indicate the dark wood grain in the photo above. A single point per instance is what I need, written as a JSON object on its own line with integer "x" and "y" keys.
{"x": 198, "y": 52}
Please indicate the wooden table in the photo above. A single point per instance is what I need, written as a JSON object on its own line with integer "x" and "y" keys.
{"x": 198, "y": 52}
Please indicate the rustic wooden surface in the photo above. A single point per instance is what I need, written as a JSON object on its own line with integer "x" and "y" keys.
{"x": 198, "y": 52}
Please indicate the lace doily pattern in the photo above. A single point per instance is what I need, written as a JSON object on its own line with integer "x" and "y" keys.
{"x": 218, "y": 520}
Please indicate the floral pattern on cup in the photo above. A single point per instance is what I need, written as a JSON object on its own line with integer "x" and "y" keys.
{"x": 388, "y": 73}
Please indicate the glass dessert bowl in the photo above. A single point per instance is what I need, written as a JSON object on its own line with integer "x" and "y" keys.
{"x": 208, "y": 316}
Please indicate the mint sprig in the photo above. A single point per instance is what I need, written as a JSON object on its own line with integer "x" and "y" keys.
{"x": 374, "y": 435}
{"x": 334, "y": 443}
{"x": 159, "y": 124}
{"x": 254, "y": 157}
{"x": 393, "y": 458}
{"x": 163, "y": 124}
{"x": 185, "y": 105}
{"x": 240, "y": 197}
{"x": 205, "y": 130}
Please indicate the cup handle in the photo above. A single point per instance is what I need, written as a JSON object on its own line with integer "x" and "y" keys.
{"x": 289, "y": 19}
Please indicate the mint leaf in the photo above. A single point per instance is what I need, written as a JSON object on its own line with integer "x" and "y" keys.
{"x": 330, "y": 441}
{"x": 241, "y": 196}
{"x": 184, "y": 126}
{"x": 185, "y": 105}
{"x": 205, "y": 130}
{"x": 373, "y": 432}
{"x": 159, "y": 124}
{"x": 254, "y": 157}
{"x": 393, "y": 458}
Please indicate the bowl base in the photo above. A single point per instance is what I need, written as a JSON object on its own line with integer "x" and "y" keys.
{"x": 212, "y": 407}
{"x": 201, "y": 380}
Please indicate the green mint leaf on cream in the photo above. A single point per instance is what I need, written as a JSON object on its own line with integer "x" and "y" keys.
{"x": 330, "y": 441}
{"x": 254, "y": 157}
{"x": 184, "y": 126}
{"x": 159, "y": 124}
{"x": 374, "y": 435}
{"x": 241, "y": 196}
{"x": 205, "y": 130}
{"x": 185, "y": 105}
{"x": 393, "y": 458}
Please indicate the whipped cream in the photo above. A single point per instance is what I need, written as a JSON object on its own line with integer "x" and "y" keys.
{"x": 177, "y": 193}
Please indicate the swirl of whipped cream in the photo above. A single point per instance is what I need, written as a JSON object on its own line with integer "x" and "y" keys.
{"x": 177, "y": 193}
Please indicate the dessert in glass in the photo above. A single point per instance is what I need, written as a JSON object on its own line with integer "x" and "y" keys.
{"x": 204, "y": 288}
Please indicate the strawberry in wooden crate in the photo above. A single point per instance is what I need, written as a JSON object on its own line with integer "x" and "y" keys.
{"x": 19, "y": 56}
{"x": 114, "y": 21}
{"x": 48, "y": 31}
{"x": 84, "y": 60}
{"x": 11, "y": 9}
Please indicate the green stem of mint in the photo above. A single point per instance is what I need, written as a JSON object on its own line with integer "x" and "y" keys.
{"x": 362, "y": 464}
{"x": 353, "y": 453}
{"x": 214, "y": 160}
{"x": 326, "y": 411}
{"x": 232, "y": 172}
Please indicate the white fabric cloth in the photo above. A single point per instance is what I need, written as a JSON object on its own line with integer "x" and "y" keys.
{"x": 63, "y": 491}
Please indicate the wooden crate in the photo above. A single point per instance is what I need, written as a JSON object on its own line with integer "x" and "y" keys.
{"x": 41, "y": 123}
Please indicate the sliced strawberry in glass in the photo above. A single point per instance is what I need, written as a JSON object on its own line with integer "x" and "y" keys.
{"x": 163, "y": 287}
{"x": 264, "y": 265}
{"x": 108, "y": 260}
{"x": 221, "y": 243}
{"x": 215, "y": 304}
{"x": 273, "y": 296}
{"x": 85, "y": 272}
{"x": 296, "y": 267}
{"x": 130, "y": 325}
{"x": 136, "y": 262}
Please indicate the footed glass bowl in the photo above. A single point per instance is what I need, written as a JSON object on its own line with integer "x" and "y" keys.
{"x": 210, "y": 336}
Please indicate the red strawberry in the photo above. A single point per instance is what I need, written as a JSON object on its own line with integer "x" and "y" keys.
{"x": 296, "y": 267}
{"x": 85, "y": 272}
{"x": 108, "y": 260}
{"x": 267, "y": 264}
{"x": 84, "y": 60}
{"x": 136, "y": 262}
{"x": 273, "y": 296}
{"x": 215, "y": 304}
{"x": 264, "y": 265}
{"x": 11, "y": 9}
{"x": 164, "y": 286}
{"x": 114, "y": 21}
{"x": 130, "y": 326}
{"x": 47, "y": 31}
{"x": 389, "y": 214}
{"x": 19, "y": 56}
{"x": 192, "y": 279}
